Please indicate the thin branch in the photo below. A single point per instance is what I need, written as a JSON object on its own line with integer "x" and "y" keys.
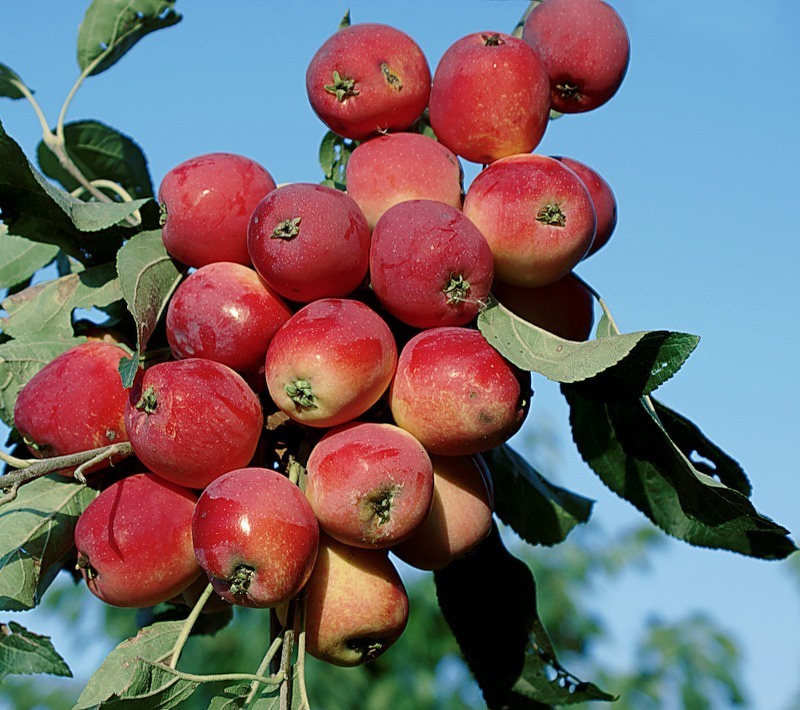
{"x": 35, "y": 104}
{"x": 262, "y": 669}
{"x": 188, "y": 625}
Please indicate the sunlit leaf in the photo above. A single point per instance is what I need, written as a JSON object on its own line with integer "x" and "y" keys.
{"x": 23, "y": 652}
{"x": 334, "y": 152}
{"x": 21, "y": 258}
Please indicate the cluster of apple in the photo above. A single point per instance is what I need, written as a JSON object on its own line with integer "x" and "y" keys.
{"x": 351, "y": 316}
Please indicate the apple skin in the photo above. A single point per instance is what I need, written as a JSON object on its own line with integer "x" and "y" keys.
{"x": 396, "y": 167}
{"x": 255, "y": 536}
{"x": 564, "y": 307}
{"x": 323, "y": 247}
{"x": 370, "y": 484}
{"x": 134, "y": 541}
{"x": 189, "y": 421}
{"x": 74, "y": 403}
{"x": 585, "y": 47}
{"x": 208, "y": 201}
{"x": 605, "y": 204}
{"x": 330, "y": 362}
{"x": 456, "y": 394}
{"x": 537, "y": 216}
{"x": 356, "y": 604}
{"x": 490, "y": 97}
{"x": 387, "y": 74}
{"x": 429, "y": 264}
{"x": 461, "y": 515}
{"x": 225, "y": 312}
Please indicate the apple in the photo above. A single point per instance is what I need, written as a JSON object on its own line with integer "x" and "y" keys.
{"x": 190, "y": 421}
{"x": 330, "y": 362}
{"x": 490, "y": 97}
{"x": 368, "y": 78}
{"x": 456, "y": 394}
{"x": 134, "y": 541}
{"x": 564, "y": 307}
{"x": 429, "y": 264}
{"x": 309, "y": 241}
{"x": 537, "y": 216}
{"x": 461, "y": 515}
{"x": 224, "y": 312}
{"x": 255, "y": 536}
{"x": 396, "y": 167}
{"x": 356, "y": 604}
{"x": 207, "y": 202}
{"x": 585, "y": 47}
{"x": 370, "y": 484}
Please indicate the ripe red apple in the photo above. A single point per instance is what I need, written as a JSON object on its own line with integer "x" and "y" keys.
{"x": 134, "y": 541}
{"x": 208, "y": 201}
{"x": 190, "y": 421}
{"x": 74, "y": 403}
{"x": 370, "y": 484}
{"x": 564, "y": 307}
{"x": 256, "y": 537}
{"x": 537, "y": 216}
{"x": 456, "y": 394}
{"x": 490, "y": 97}
{"x": 225, "y": 312}
{"x": 356, "y": 604}
{"x": 585, "y": 47}
{"x": 429, "y": 264}
{"x": 309, "y": 241}
{"x": 461, "y": 515}
{"x": 330, "y": 362}
{"x": 605, "y": 204}
{"x": 396, "y": 167}
{"x": 366, "y": 79}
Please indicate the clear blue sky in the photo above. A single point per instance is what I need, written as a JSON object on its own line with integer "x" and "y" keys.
{"x": 701, "y": 147}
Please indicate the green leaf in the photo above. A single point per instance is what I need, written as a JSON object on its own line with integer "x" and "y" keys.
{"x": 148, "y": 276}
{"x": 111, "y": 27}
{"x": 25, "y": 653}
{"x": 539, "y": 512}
{"x": 34, "y": 208}
{"x": 234, "y": 697}
{"x": 21, "y": 258}
{"x": 9, "y": 80}
{"x": 489, "y": 600}
{"x": 36, "y": 531}
{"x": 635, "y": 360}
{"x": 334, "y": 152}
{"x": 44, "y": 311}
{"x": 99, "y": 152}
{"x": 19, "y": 361}
{"x": 627, "y": 446}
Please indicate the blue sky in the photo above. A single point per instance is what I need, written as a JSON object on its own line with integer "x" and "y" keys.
{"x": 701, "y": 148}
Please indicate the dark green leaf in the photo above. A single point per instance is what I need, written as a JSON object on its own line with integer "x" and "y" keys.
{"x": 627, "y": 447}
{"x": 26, "y": 653}
{"x": 489, "y": 600}
{"x": 21, "y": 258}
{"x": 334, "y": 152}
{"x": 99, "y": 152}
{"x": 538, "y": 511}
{"x": 36, "y": 531}
{"x": 111, "y": 27}
{"x": 345, "y": 21}
{"x": 9, "y": 83}
{"x": 234, "y": 697}
{"x": 152, "y": 685}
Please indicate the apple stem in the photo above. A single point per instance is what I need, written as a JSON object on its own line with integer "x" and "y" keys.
{"x": 302, "y": 394}
{"x": 242, "y": 578}
{"x": 288, "y": 229}
{"x": 342, "y": 88}
{"x": 456, "y": 289}
{"x": 552, "y": 215}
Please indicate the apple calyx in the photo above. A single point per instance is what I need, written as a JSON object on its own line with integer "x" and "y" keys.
{"x": 552, "y": 215}
{"x": 492, "y": 40}
{"x": 391, "y": 78}
{"x": 342, "y": 88}
{"x": 302, "y": 394}
{"x": 456, "y": 289}
{"x": 379, "y": 504}
{"x": 288, "y": 229}
{"x": 162, "y": 214}
{"x": 148, "y": 402}
{"x": 569, "y": 91}
{"x": 366, "y": 647}
{"x": 84, "y": 564}
{"x": 241, "y": 580}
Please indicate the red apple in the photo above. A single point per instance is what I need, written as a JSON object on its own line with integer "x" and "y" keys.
{"x": 490, "y": 97}
{"x": 370, "y": 484}
{"x": 256, "y": 537}
{"x": 134, "y": 542}
{"x": 460, "y": 518}
{"x": 366, "y": 79}
{"x": 456, "y": 394}
{"x": 585, "y": 47}
{"x": 190, "y": 421}
{"x": 396, "y": 167}
{"x": 537, "y": 216}
{"x": 429, "y": 264}
{"x": 226, "y": 313}
{"x": 309, "y": 241}
{"x": 330, "y": 362}
{"x": 208, "y": 201}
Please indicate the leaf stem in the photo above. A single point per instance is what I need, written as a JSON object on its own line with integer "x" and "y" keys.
{"x": 221, "y": 677}
{"x": 186, "y": 629}
{"x": 35, "y": 104}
